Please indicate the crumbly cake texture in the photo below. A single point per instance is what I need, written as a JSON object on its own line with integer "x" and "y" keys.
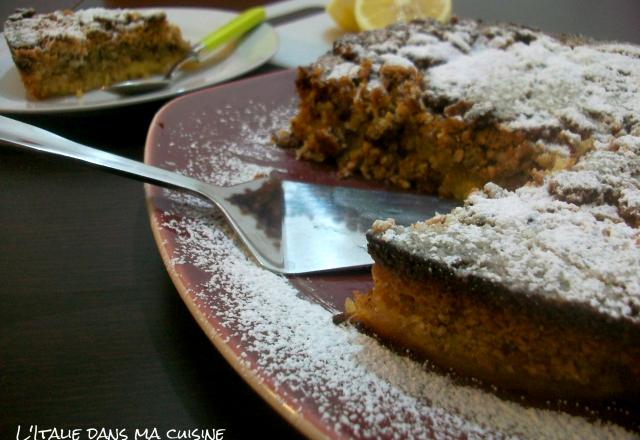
{"x": 448, "y": 107}
{"x": 66, "y": 52}
{"x": 533, "y": 285}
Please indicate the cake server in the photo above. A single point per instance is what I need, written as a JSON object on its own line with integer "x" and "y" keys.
{"x": 235, "y": 28}
{"x": 290, "y": 227}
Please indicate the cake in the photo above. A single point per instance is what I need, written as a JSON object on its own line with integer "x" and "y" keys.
{"x": 533, "y": 285}
{"x": 66, "y": 52}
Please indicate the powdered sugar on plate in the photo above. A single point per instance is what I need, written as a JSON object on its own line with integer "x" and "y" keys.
{"x": 343, "y": 382}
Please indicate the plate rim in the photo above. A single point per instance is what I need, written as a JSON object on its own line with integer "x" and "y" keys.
{"x": 120, "y": 102}
{"x": 294, "y": 418}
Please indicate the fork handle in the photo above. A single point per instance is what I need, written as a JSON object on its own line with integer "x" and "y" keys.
{"x": 27, "y": 136}
{"x": 236, "y": 27}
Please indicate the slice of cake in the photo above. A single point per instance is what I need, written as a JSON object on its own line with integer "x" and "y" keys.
{"x": 534, "y": 284}
{"x": 534, "y": 290}
{"x": 66, "y": 52}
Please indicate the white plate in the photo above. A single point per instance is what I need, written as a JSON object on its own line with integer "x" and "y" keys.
{"x": 253, "y": 50}
{"x": 302, "y": 41}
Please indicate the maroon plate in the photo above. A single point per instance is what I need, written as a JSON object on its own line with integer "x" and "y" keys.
{"x": 327, "y": 380}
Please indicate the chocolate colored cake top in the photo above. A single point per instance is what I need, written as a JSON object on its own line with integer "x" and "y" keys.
{"x": 573, "y": 237}
{"x": 563, "y": 89}
{"x": 25, "y": 28}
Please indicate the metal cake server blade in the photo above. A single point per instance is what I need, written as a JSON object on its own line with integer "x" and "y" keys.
{"x": 289, "y": 227}
{"x": 296, "y": 227}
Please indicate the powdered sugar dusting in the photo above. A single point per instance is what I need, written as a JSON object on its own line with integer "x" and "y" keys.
{"x": 572, "y": 239}
{"x": 518, "y": 77}
{"x": 355, "y": 386}
{"x": 544, "y": 83}
{"x": 24, "y": 29}
{"x": 348, "y": 70}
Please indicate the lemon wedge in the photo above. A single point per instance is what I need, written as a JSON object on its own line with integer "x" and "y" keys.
{"x": 375, "y": 14}
{"x": 342, "y": 12}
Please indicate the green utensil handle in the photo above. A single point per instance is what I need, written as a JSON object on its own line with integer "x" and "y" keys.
{"x": 235, "y": 28}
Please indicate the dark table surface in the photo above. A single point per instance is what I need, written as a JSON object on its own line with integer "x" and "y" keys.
{"x": 93, "y": 333}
